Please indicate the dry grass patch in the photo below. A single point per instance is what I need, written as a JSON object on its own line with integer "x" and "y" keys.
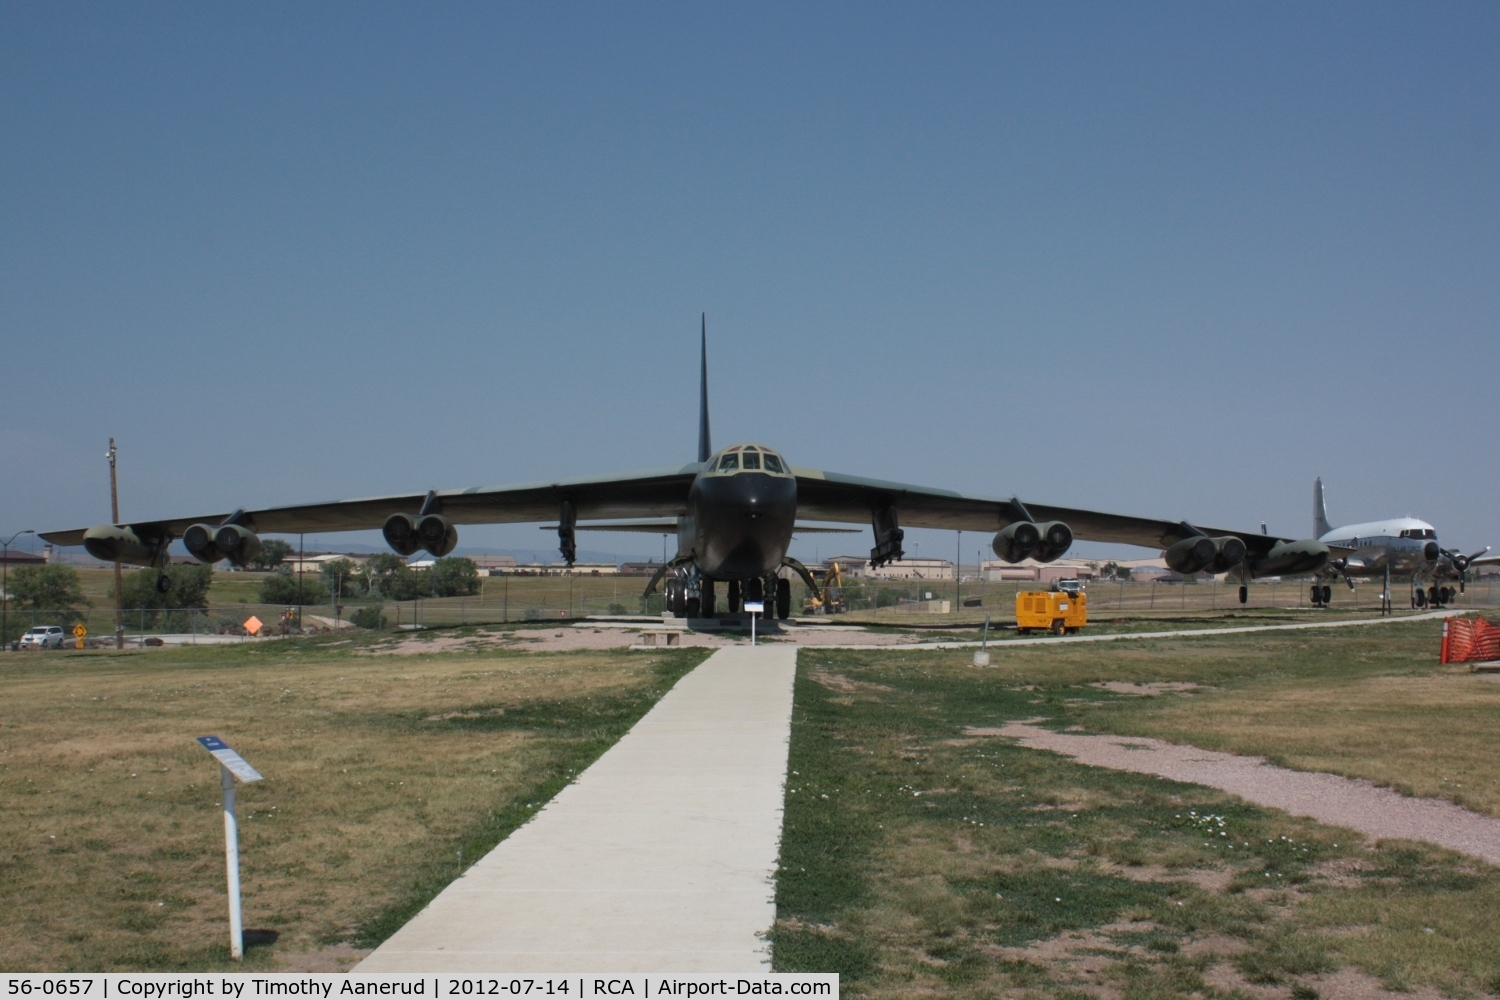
{"x": 382, "y": 777}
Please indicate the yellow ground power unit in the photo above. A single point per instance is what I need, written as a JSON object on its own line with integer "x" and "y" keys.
{"x": 1057, "y": 610}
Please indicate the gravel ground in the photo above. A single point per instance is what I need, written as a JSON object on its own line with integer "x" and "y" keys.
{"x": 1328, "y": 798}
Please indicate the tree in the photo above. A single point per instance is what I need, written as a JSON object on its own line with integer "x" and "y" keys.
{"x": 51, "y": 587}
{"x": 273, "y": 552}
{"x": 342, "y": 578}
{"x": 285, "y": 589}
{"x": 189, "y": 592}
{"x": 454, "y": 576}
{"x": 390, "y": 577}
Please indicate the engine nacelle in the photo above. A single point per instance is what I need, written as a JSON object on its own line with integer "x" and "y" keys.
{"x": 1017, "y": 541}
{"x": 199, "y": 541}
{"x": 1302, "y": 556}
{"x": 238, "y": 544}
{"x": 1057, "y": 538}
{"x": 1231, "y": 554}
{"x": 406, "y": 534}
{"x": 1192, "y": 554}
{"x": 109, "y": 543}
{"x": 437, "y": 534}
{"x": 400, "y": 531}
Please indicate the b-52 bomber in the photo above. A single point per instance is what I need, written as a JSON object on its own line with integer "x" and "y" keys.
{"x": 734, "y": 512}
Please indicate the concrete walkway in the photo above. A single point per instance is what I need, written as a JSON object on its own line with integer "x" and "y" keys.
{"x": 661, "y": 857}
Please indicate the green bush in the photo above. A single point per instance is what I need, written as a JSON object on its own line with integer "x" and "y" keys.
{"x": 284, "y": 589}
{"x": 368, "y": 616}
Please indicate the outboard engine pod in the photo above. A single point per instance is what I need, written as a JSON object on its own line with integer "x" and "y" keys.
{"x": 1057, "y": 538}
{"x": 400, "y": 531}
{"x": 1192, "y": 554}
{"x": 1017, "y": 541}
{"x": 199, "y": 540}
{"x": 238, "y": 544}
{"x": 437, "y": 534}
{"x": 109, "y": 543}
{"x": 1231, "y": 554}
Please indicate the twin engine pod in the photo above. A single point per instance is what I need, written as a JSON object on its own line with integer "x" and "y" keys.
{"x": 111, "y": 543}
{"x": 209, "y": 543}
{"x": 406, "y": 534}
{"x": 1042, "y": 542}
{"x": 1200, "y": 552}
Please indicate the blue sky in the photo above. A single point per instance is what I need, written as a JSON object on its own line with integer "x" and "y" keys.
{"x": 1171, "y": 260}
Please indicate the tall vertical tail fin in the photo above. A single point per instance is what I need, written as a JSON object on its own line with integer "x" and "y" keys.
{"x": 705, "y": 446}
{"x": 1321, "y": 526}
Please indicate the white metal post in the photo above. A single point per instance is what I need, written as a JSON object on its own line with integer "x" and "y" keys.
{"x": 232, "y": 865}
{"x": 752, "y": 628}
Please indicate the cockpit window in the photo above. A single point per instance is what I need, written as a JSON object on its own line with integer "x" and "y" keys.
{"x": 752, "y": 460}
{"x": 729, "y": 463}
{"x": 773, "y": 464}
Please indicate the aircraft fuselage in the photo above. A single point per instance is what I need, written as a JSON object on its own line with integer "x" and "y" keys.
{"x": 738, "y": 523}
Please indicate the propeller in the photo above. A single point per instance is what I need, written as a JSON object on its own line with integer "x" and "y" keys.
{"x": 1461, "y": 564}
{"x": 1341, "y": 567}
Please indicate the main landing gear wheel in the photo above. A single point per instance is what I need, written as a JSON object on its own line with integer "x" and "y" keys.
{"x": 1419, "y": 598}
{"x": 733, "y": 597}
{"x": 676, "y": 595}
{"x": 163, "y": 584}
{"x": 783, "y": 598}
{"x": 693, "y": 607}
{"x": 754, "y": 589}
{"x": 708, "y": 598}
{"x": 1327, "y": 594}
{"x": 1244, "y": 593}
{"x": 1434, "y": 598}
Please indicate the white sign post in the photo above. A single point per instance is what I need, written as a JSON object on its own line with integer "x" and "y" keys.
{"x": 754, "y": 608}
{"x": 231, "y": 766}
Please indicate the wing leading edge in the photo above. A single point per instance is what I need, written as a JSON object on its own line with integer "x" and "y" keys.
{"x": 649, "y": 493}
{"x": 833, "y": 496}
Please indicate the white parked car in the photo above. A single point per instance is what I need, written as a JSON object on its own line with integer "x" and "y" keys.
{"x": 43, "y": 636}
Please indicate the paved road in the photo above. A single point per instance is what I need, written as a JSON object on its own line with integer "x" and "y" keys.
{"x": 1003, "y": 644}
{"x": 661, "y": 857}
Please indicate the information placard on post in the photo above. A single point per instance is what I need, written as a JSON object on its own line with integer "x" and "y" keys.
{"x": 231, "y": 766}
{"x": 754, "y": 608}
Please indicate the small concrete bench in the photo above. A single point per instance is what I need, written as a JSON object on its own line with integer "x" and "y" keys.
{"x": 661, "y": 638}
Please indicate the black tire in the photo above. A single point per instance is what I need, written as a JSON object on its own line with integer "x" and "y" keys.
{"x": 1317, "y": 595}
{"x": 708, "y": 598}
{"x": 1432, "y": 597}
{"x": 1327, "y": 594}
{"x": 783, "y": 598}
{"x": 1419, "y": 598}
{"x": 736, "y": 603}
{"x": 163, "y": 584}
{"x": 1244, "y": 594}
{"x": 1058, "y": 628}
{"x": 1023, "y": 631}
{"x": 693, "y": 607}
{"x": 754, "y": 589}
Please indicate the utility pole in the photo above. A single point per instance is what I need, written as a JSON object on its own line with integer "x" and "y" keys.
{"x": 114, "y": 514}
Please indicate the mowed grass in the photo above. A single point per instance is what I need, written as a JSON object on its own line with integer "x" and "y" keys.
{"x": 920, "y": 860}
{"x": 383, "y": 775}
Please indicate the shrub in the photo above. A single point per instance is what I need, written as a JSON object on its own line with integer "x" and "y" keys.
{"x": 368, "y": 616}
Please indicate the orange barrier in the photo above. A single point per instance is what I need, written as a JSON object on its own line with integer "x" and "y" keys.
{"x": 1466, "y": 639}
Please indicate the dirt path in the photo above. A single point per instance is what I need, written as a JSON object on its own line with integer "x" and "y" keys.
{"x": 1327, "y": 798}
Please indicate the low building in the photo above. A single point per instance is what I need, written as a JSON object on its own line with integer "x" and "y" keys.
{"x": 558, "y": 569}
{"x": 912, "y": 569}
{"x": 996, "y": 570}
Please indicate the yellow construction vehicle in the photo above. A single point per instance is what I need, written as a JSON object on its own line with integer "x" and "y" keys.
{"x": 829, "y": 600}
{"x": 1060, "y": 610}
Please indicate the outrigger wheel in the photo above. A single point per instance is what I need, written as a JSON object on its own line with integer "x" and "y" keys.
{"x": 1244, "y": 593}
{"x": 163, "y": 583}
